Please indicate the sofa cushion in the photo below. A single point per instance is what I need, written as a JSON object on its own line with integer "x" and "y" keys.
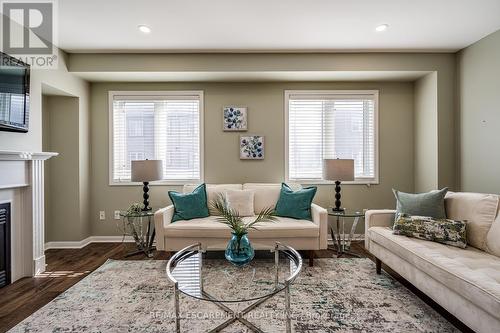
{"x": 479, "y": 210}
{"x": 470, "y": 272}
{"x": 266, "y": 194}
{"x": 295, "y": 204}
{"x": 209, "y": 228}
{"x": 188, "y": 206}
{"x": 493, "y": 237}
{"x": 422, "y": 204}
{"x": 449, "y": 232}
{"x": 213, "y": 191}
{"x": 241, "y": 201}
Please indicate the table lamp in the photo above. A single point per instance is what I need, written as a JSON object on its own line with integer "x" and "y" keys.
{"x": 145, "y": 172}
{"x": 338, "y": 170}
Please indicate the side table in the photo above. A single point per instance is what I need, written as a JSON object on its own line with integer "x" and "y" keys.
{"x": 141, "y": 227}
{"x": 340, "y": 240}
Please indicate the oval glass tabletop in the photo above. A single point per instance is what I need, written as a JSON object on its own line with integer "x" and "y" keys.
{"x": 218, "y": 280}
{"x": 345, "y": 213}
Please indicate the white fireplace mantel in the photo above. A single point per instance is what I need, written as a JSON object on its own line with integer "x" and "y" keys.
{"x": 25, "y": 171}
{"x": 11, "y": 155}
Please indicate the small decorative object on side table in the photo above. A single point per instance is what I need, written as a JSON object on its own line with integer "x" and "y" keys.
{"x": 340, "y": 241}
{"x": 139, "y": 224}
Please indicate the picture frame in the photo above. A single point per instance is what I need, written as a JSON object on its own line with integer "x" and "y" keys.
{"x": 234, "y": 119}
{"x": 252, "y": 147}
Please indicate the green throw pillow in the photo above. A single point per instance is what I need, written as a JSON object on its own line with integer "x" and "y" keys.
{"x": 422, "y": 204}
{"x": 295, "y": 204}
{"x": 189, "y": 206}
{"x": 444, "y": 231}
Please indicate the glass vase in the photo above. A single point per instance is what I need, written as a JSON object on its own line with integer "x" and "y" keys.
{"x": 239, "y": 251}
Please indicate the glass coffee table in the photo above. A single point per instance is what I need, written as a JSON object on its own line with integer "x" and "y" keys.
{"x": 207, "y": 280}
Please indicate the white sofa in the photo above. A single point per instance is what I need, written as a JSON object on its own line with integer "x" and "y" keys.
{"x": 466, "y": 282}
{"x": 300, "y": 234}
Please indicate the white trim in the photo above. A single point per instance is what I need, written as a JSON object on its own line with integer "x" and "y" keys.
{"x": 355, "y": 237}
{"x": 194, "y": 93}
{"x": 87, "y": 241}
{"x": 361, "y": 93}
{"x": 12, "y": 155}
{"x": 4, "y": 187}
{"x": 129, "y": 239}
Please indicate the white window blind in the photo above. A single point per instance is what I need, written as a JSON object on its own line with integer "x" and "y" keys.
{"x": 331, "y": 124}
{"x": 162, "y": 126}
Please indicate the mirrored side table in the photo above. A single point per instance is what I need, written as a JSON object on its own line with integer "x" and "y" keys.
{"x": 141, "y": 227}
{"x": 341, "y": 240}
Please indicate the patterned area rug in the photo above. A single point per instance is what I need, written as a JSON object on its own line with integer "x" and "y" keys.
{"x": 336, "y": 295}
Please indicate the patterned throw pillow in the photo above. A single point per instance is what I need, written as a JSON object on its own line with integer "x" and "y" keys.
{"x": 444, "y": 231}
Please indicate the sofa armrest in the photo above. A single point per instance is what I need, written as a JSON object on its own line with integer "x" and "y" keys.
{"x": 320, "y": 217}
{"x": 163, "y": 217}
{"x": 378, "y": 218}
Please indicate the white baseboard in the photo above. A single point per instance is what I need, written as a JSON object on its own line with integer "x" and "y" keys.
{"x": 87, "y": 241}
{"x": 355, "y": 237}
{"x": 39, "y": 265}
{"x": 128, "y": 239}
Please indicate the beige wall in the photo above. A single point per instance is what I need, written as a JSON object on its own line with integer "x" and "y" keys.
{"x": 64, "y": 201}
{"x": 60, "y": 81}
{"x": 265, "y": 101}
{"x": 425, "y": 124}
{"x": 479, "y": 126}
{"x": 259, "y": 65}
{"x": 266, "y": 117}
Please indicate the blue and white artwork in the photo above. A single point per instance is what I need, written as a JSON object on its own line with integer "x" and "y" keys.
{"x": 234, "y": 118}
{"x": 252, "y": 147}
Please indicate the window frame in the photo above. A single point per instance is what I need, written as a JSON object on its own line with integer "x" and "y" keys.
{"x": 321, "y": 93}
{"x": 156, "y": 93}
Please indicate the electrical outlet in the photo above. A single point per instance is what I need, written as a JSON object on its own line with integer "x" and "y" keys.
{"x": 117, "y": 215}
{"x": 102, "y": 215}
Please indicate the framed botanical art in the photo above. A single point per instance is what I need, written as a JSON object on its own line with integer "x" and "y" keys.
{"x": 234, "y": 118}
{"x": 252, "y": 147}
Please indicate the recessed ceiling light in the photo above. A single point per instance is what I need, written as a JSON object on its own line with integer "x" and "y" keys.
{"x": 144, "y": 28}
{"x": 382, "y": 27}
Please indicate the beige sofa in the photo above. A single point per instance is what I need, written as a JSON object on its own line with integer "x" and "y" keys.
{"x": 300, "y": 234}
{"x": 466, "y": 282}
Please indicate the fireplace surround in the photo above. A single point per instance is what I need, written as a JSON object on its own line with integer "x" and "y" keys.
{"x": 22, "y": 187}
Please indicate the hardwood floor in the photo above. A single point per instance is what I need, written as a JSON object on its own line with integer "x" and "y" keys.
{"x": 65, "y": 267}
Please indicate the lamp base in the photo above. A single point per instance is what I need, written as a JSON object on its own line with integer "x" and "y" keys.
{"x": 145, "y": 196}
{"x": 338, "y": 204}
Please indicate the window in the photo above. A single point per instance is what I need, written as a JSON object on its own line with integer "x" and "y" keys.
{"x": 164, "y": 125}
{"x": 135, "y": 126}
{"x": 331, "y": 124}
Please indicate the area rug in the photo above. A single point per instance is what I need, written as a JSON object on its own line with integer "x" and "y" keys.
{"x": 336, "y": 295}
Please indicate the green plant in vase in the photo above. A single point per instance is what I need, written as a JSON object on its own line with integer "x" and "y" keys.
{"x": 239, "y": 251}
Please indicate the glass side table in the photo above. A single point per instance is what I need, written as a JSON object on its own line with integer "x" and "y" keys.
{"x": 142, "y": 228}
{"x": 341, "y": 242}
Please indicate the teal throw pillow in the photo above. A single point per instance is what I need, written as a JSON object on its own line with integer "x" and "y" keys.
{"x": 295, "y": 204}
{"x": 443, "y": 231}
{"x": 189, "y": 206}
{"x": 429, "y": 204}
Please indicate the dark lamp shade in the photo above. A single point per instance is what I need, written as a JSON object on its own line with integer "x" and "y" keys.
{"x": 338, "y": 169}
{"x": 147, "y": 171}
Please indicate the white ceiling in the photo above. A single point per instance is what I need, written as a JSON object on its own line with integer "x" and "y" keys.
{"x": 274, "y": 25}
